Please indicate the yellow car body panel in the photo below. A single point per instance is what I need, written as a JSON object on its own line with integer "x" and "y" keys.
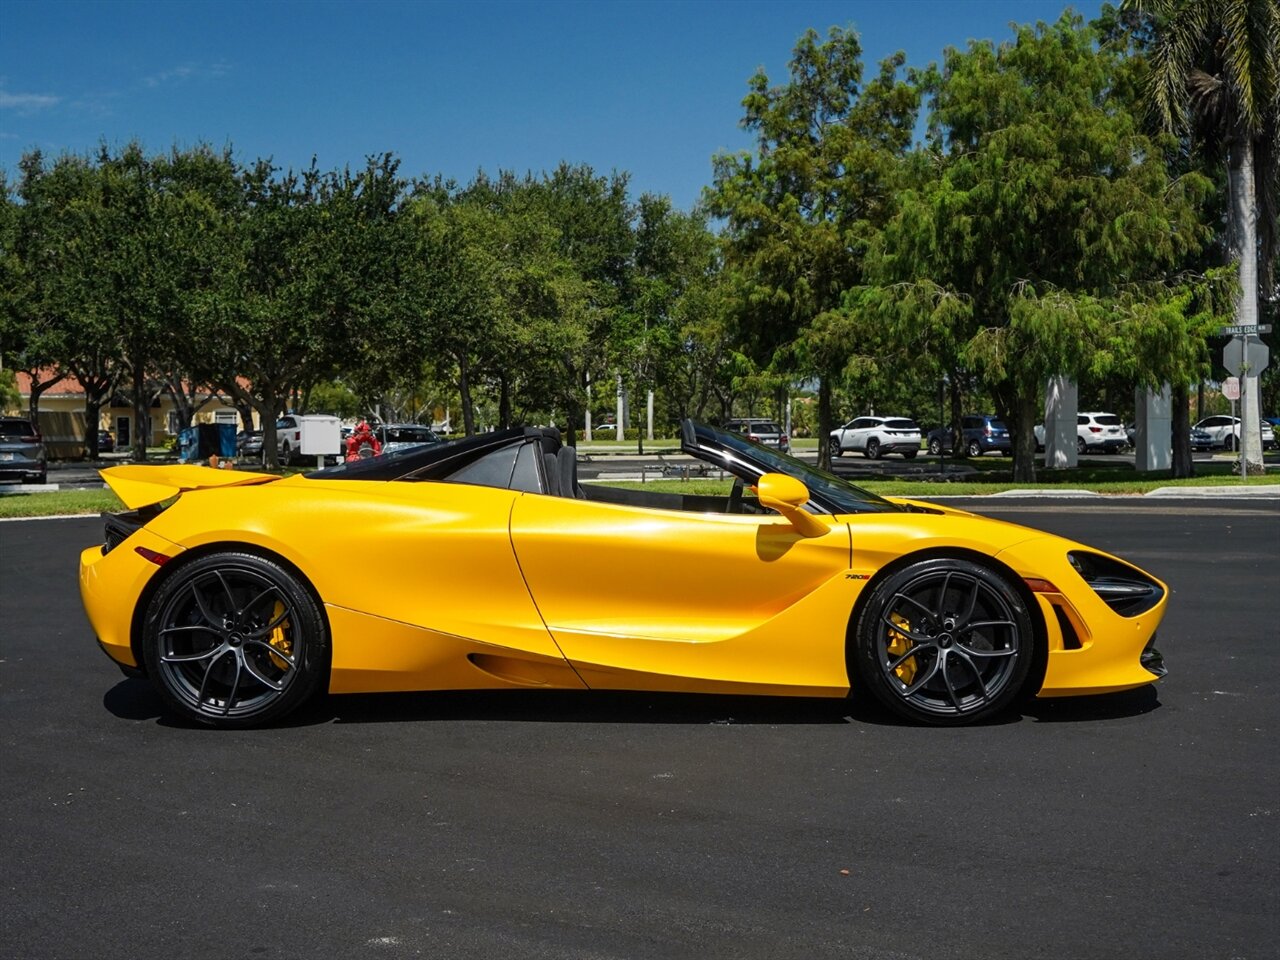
{"x": 436, "y": 585}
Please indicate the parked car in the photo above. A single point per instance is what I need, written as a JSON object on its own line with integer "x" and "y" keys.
{"x": 979, "y": 433}
{"x": 242, "y": 597}
{"x": 22, "y": 456}
{"x": 1094, "y": 431}
{"x": 1225, "y": 432}
{"x": 401, "y": 436}
{"x": 106, "y": 442}
{"x": 876, "y": 436}
{"x": 760, "y": 430}
{"x": 1199, "y": 439}
{"x": 249, "y": 443}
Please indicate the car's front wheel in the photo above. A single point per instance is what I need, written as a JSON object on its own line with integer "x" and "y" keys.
{"x": 234, "y": 640}
{"x": 834, "y": 446}
{"x": 975, "y": 448}
{"x": 944, "y": 641}
{"x": 935, "y": 447}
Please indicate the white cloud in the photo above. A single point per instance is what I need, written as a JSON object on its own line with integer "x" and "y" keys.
{"x": 186, "y": 71}
{"x": 27, "y": 102}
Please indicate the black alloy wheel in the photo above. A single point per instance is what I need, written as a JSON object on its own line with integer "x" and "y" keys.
{"x": 873, "y": 449}
{"x": 975, "y": 448}
{"x": 944, "y": 642}
{"x": 234, "y": 640}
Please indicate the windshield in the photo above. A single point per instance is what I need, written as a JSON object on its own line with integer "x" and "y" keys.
{"x": 828, "y": 490}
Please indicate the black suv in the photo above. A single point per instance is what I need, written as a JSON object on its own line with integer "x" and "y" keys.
{"x": 21, "y": 451}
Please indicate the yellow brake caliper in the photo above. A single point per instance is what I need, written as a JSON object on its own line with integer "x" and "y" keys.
{"x": 279, "y": 640}
{"x": 898, "y": 645}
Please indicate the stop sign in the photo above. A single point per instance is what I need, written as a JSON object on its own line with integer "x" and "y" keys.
{"x": 1231, "y": 388}
{"x": 1245, "y": 350}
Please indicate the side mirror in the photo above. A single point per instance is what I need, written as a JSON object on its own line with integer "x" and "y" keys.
{"x": 787, "y": 495}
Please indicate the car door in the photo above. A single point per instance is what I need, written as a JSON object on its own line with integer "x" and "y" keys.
{"x": 859, "y": 429}
{"x": 669, "y": 600}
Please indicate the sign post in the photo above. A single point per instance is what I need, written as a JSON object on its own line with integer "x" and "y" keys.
{"x": 1245, "y": 356}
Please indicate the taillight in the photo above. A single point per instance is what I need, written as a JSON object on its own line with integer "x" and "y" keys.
{"x": 753, "y": 437}
{"x": 34, "y": 438}
{"x": 987, "y": 430}
{"x": 1095, "y": 429}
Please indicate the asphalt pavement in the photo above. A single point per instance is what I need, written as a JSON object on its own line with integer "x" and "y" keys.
{"x": 1139, "y": 825}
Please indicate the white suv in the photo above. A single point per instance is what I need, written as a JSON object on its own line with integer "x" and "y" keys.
{"x": 876, "y": 436}
{"x": 1104, "y": 431}
{"x": 1225, "y": 432}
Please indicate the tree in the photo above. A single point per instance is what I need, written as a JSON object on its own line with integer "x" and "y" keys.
{"x": 1050, "y": 223}
{"x": 800, "y": 210}
{"x": 1215, "y": 73}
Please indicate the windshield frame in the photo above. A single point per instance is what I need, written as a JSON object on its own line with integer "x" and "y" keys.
{"x": 749, "y": 461}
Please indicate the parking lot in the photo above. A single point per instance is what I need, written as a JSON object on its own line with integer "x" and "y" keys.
{"x": 593, "y": 826}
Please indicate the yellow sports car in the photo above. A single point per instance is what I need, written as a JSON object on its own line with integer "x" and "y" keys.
{"x": 482, "y": 564}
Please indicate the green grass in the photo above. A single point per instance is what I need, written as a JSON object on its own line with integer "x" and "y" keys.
{"x": 59, "y": 503}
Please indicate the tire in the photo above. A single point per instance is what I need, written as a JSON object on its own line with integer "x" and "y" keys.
{"x": 1233, "y": 442}
{"x": 873, "y": 449}
{"x": 1006, "y": 453}
{"x": 935, "y": 447}
{"x": 234, "y": 640}
{"x": 834, "y": 445}
{"x": 1081, "y": 446}
{"x": 974, "y": 449}
{"x": 972, "y": 636}
{"x": 910, "y": 454}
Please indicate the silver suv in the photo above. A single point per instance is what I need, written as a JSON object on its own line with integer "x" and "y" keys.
{"x": 760, "y": 430}
{"x": 21, "y": 451}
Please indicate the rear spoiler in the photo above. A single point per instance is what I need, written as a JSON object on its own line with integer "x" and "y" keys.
{"x": 138, "y": 485}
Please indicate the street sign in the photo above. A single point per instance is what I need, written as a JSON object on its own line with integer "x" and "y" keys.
{"x": 1241, "y": 351}
{"x": 1241, "y": 329}
{"x": 1231, "y": 388}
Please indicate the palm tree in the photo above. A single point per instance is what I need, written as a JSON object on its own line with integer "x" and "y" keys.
{"x": 1215, "y": 75}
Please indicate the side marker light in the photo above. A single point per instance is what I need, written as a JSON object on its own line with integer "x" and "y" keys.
{"x": 159, "y": 559}
{"x": 1035, "y": 585}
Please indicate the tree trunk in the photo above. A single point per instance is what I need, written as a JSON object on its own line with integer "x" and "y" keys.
{"x": 141, "y": 412}
{"x": 957, "y": 411}
{"x": 504, "y": 403}
{"x": 464, "y": 390}
{"x": 1244, "y": 250}
{"x": 825, "y": 423}
{"x": 1024, "y": 450}
{"x": 1183, "y": 464}
{"x": 38, "y": 387}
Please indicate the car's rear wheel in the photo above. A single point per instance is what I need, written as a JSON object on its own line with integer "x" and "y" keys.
{"x": 910, "y": 454}
{"x": 834, "y": 445}
{"x": 944, "y": 641}
{"x": 935, "y": 447}
{"x": 974, "y": 449}
{"x": 873, "y": 449}
{"x": 234, "y": 640}
{"x": 1233, "y": 442}
{"x": 1081, "y": 446}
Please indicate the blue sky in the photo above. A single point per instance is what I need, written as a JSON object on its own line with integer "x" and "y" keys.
{"x": 653, "y": 87}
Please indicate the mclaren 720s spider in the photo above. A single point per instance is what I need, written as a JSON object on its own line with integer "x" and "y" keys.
{"x": 482, "y": 563}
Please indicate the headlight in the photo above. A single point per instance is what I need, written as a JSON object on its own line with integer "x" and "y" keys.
{"x": 1127, "y": 591}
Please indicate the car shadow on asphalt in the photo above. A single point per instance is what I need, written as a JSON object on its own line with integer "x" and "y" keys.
{"x": 137, "y": 700}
